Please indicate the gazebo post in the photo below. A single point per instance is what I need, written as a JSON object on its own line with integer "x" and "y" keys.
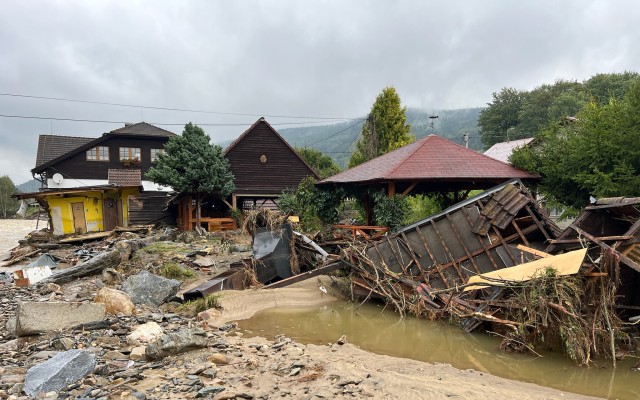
{"x": 391, "y": 188}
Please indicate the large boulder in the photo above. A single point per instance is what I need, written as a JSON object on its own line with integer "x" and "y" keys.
{"x": 175, "y": 343}
{"x": 59, "y": 371}
{"x": 115, "y": 301}
{"x": 145, "y": 333}
{"x": 150, "y": 289}
{"x": 34, "y": 318}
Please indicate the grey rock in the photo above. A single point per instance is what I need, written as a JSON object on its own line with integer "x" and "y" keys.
{"x": 175, "y": 343}
{"x": 209, "y": 390}
{"x": 33, "y": 318}
{"x": 150, "y": 289}
{"x": 61, "y": 370}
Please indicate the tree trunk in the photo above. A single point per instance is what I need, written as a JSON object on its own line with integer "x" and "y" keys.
{"x": 110, "y": 259}
{"x": 198, "y": 215}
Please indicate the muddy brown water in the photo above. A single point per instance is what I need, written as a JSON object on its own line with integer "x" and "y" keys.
{"x": 382, "y": 332}
{"x": 12, "y": 230}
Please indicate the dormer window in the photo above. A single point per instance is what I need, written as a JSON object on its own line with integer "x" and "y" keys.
{"x": 98, "y": 153}
{"x": 129, "y": 153}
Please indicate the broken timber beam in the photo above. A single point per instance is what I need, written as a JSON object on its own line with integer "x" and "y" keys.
{"x": 605, "y": 246}
{"x": 306, "y": 275}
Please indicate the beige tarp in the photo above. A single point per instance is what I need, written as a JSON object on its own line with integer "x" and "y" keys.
{"x": 564, "y": 264}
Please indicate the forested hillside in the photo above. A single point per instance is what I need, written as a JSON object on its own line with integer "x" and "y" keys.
{"x": 338, "y": 140}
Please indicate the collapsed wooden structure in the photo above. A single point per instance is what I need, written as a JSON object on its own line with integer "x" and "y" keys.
{"x": 440, "y": 254}
{"x": 497, "y": 261}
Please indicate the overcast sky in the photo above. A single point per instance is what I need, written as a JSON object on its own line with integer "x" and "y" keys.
{"x": 295, "y": 58}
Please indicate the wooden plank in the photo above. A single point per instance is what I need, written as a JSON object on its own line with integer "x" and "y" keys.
{"x": 564, "y": 264}
{"x": 535, "y": 252}
{"x": 464, "y": 246}
{"x": 524, "y": 239}
{"x": 537, "y": 222}
{"x": 629, "y": 262}
{"x": 433, "y": 258}
{"x": 306, "y": 275}
{"x": 446, "y": 249}
{"x": 409, "y": 189}
{"x": 484, "y": 247}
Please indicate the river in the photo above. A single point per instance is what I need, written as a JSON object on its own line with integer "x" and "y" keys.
{"x": 12, "y": 230}
{"x": 439, "y": 342}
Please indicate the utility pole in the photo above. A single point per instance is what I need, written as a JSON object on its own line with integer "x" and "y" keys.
{"x": 465, "y": 138}
{"x": 374, "y": 137}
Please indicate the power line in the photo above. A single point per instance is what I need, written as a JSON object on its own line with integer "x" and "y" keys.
{"x": 337, "y": 133}
{"x": 153, "y": 123}
{"x": 166, "y": 108}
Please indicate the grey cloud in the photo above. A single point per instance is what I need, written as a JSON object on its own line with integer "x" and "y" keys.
{"x": 307, "y": 58}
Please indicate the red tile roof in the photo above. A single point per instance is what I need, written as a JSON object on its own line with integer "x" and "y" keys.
{"x": 431, "y": 158}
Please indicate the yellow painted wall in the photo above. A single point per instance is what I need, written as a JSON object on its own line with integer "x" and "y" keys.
{"x": 93, "y": 204}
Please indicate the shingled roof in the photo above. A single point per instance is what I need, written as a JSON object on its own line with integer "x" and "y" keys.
{"x": 53, "y": 146}
{"x": 125, "y": 177}
{"x": 143, "y": 129}
{"x": 430, "y": 159}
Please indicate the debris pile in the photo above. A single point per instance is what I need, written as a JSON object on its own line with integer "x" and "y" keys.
{"x": 497, "y": 262}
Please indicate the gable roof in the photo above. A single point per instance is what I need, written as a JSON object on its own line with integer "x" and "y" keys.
{"x": 142, "y": 129}
{"x": 502, "y": 151}
{"x": 139, "y": 129}
{"x": 53, "y": 146}
{"x": 430, "y": 158}
{"x": 262, "y": 120}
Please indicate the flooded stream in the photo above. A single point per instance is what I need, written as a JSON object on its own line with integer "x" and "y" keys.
{"x": 12, "y": 230}
{"x": 384, "y": 333}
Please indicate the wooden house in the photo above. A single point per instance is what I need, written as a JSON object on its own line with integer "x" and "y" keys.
{"x": 87, "y": 209}
{"x": 264, "y": 165}
{"x": 65, "y": 162}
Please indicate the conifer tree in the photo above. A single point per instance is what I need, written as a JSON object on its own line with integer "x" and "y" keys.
{"x": 385, "y": 129}
{"x": 191, "y": 164}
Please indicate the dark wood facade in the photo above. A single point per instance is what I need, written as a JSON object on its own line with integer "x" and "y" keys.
{"x": 75, "y": 165}
{"x": 264, "y": 164}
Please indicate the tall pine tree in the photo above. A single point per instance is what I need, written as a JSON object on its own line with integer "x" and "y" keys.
{"x": 385, "y": 130}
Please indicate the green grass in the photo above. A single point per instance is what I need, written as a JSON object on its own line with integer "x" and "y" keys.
{"x": 165, "y": 247}
{"x": 197, "y": 306}
{"x": 175, "y": 271}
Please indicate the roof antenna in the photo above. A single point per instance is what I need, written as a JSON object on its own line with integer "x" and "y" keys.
{"x": 142, "y": 115}
{"x": 432, "y": 123}
{"x": 51, "y": 129}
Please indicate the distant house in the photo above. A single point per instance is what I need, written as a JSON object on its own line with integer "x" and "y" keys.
{"x": 264, "y": 165}
{"x": 120, "y": 157}
{"x": 503, "y": 150}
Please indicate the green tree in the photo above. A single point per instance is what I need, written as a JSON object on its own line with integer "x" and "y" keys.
{"x": 534, "y": 114}
{"x": 597, "y": 155}
{"x": 8, "y": 205}
{"x": 387, "y": 120}
{"x": 321, "y": 163}
{"x": 502, "y": 115}
{"x": 191, "y": 164}
{"x": 603, "y": 87}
